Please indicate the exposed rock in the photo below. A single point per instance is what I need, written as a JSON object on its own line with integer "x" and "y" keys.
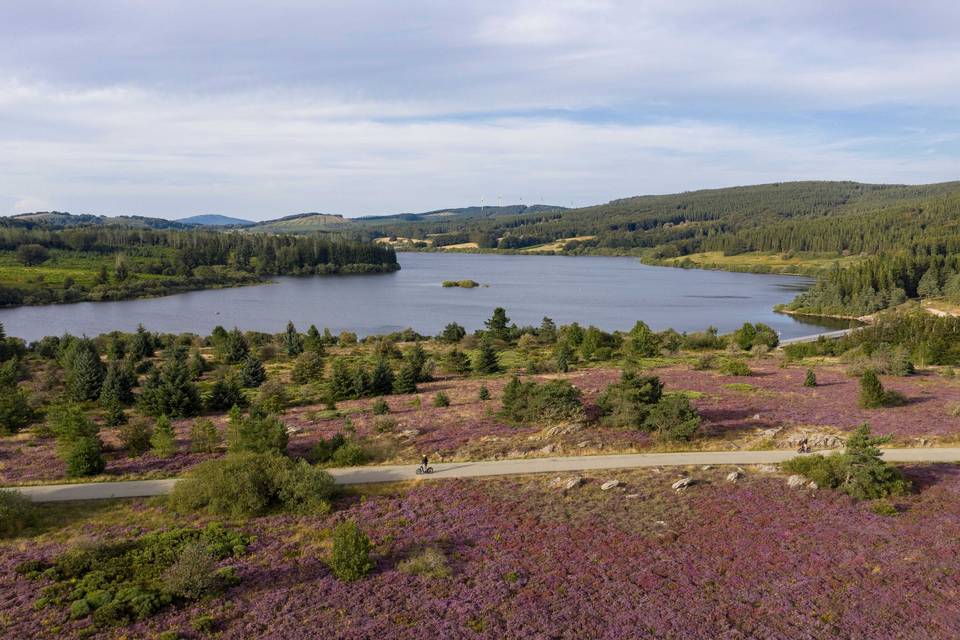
{"x": 767, "y": 468}
{"x": 556, "y": 482}
{"x": 584, "y": 444}
{"x": 682, "y": 483}
{"x": 562, "y": 429}
{"x": 813, "y": 485}
{"x": 610, "y": 484}
{"x": 706, "y": 467}
{"x": 756, "y": 416}
{"x": 733, "y": 476}
{"x": 796, "y": 481}
{"x": 633, "y": 495}
{"x": 410, "y": 433}
{"x": 772, "y": 432}
{"x": 573, "y": 483}
{"x": 292, "y": 430}
{"x": 548, "y": 449}
{"x": 516, "y": 453}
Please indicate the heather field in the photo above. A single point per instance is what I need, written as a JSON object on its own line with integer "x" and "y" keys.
{"x": 764, "y": 410}
{"x": 522, "y": 558}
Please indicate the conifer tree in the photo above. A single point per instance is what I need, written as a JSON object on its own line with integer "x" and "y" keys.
{"x": 252, "y": 373}
{"x": 292, "y": 341}
{"x": 487, "y": 361}
{"x": 163, "y": 441}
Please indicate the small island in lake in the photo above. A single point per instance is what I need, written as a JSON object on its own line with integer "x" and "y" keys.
{"x": 463, "y": 284}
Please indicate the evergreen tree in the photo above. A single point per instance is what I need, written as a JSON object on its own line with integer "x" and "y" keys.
{"x": 84, "y": 457}
{"x": 341, "y": 380}
{"x": 314, "y": 341}
{"x": 381, "y": 382}
{"x": 170, "y": 391}
{"x": 204, "y": 437}
{"x": 406, "y": 380}
{"x": 135, "y": 437}
{"x": 643, "y": 342}
{"x": 361, "y": 382}
{"x": 15, "y": 410}
{"x": 417, "y": 358}
{"x": 452, "y": 333}
{"x": 811, "y": 379}
{"x": 142, "y": 345}
{"x": 497, "y": 325}
{"x": 484, "y": 393}
{"x": 867, "y": 476}
{"x": 85, "y": 371}
{"x": 457, "y": 362}
{"x": 117, "y": 384}
{"x": 487, "y": 361}
{"x": 252, "y": 373}
{"x": 163, "y": 441}
{"x": 547, "y": 333}
{"x": 198, "y": 364}
{"x": 224, "y": 394}
{"x": 564, "y": 355}
{"x": 113, "y": 414}
{"x": 292, "y": 341}
{"x": 234, "y": 348}
{"x": 929, "y": 285}
{"x": 872, "y": 394}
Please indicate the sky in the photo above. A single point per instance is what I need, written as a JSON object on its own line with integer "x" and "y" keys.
{"x": 263, "y": 109}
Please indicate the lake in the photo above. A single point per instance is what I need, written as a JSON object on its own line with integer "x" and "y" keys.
{"x": 611, "y": 293}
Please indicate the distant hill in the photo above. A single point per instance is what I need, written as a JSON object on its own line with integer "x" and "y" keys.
{"x": 304, "y": 223}
{"x": 216, "y": 220}
{"x": 462, "y": 212}
{"x": 62, "y": 219}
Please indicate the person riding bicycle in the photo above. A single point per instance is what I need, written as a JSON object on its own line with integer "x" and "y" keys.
{"x": 424, "y": 463}
{"x": 804, "y": 446}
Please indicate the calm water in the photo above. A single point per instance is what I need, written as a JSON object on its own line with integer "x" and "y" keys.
{"x": 611, "y": 293}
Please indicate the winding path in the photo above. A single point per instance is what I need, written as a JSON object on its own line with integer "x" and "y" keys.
{"x": 401, "y": 473}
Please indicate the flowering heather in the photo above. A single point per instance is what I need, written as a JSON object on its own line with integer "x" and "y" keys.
{"x": 750, "y": 560}
{"x": 731, "y": 407}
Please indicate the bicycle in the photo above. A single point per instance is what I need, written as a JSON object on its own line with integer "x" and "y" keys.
{"x": 421, "y": 470}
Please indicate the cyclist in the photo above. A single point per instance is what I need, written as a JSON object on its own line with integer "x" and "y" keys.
{"x": 424, "y": 463}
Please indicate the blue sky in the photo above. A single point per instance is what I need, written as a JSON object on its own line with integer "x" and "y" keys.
{"x": 259, "y": 110}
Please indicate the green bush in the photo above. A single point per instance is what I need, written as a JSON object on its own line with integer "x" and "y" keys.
{"x": 811, "y": 379}
{"x": 441, "y": 400}
{"x": 250, "y": 484}
{"x": 860, "y": 471}
{"x": 484, "y": 393}
{"x": 84, "y": 457}
{"x": 323, "y": 451}
{"x": 349, "y": 455}
{"x": 627, "y": 403}
{"x": 380, "y": 407}
{"x": 15, "y": 410}
{"x": 732, "y": 367}
{"x": 350, "y": 557}
{"x": 225, "y": 393}
{"x": 256, "y": 432}
{"x": 17, "y": 513}
{"x": 553, "y": 401}
{"x": 131, "y": 580}
{"x": 384, "y": 424}
{"x": 135, "y": 437}
{"x": 429, "y": 562}
{"x": 673, "y": 419}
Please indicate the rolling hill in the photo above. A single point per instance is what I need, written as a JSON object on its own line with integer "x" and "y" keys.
{"x": 216, "y": 220}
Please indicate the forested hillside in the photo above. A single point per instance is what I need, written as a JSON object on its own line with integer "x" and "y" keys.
{"x": 40, "y": 265}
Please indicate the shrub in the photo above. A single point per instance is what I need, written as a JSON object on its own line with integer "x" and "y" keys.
{"x": 135, "y": 437}
{"x": 429, "y": 562}
{"x": 17, "y": 513}
{"x": 323, "y": 451}
{"x": 249, "y": 484}
{"x": 133, "y": 579}
{"x": 486, "y": 361}
{"x": 308, "y": 367}
{"x": 860, "y": 471}
{"x": 627, "y": 403}
{"x": 192, "y": 575}
{"x": 15, "y": 410}
{"x": 705, "y": 362}
{"x": 457, "y": 361}
{"x": 84, "y": 457}
{"x": 204, "y": 624}
{"x": 171, "y": 390}
{"x": 349, "y": 455}
{"x": 350, "y": 557}
{"x": 380, "y": 407}
{"x": 673, "y": 419}
{"x": 735, "y": 368}
{"x": 553, "y": 401}
{"x": 484, "y": 393}
{"x": 256, "y": 432}
{"x": 811, "y": 379}
{"x": 164, "y": 440}
{"x": 204, "y": 437}
{"x": 441, "y": 400}
{"x": 384, "y": 424}
{"x": 406, "y": 380}
{"x": 272, "y": 397}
